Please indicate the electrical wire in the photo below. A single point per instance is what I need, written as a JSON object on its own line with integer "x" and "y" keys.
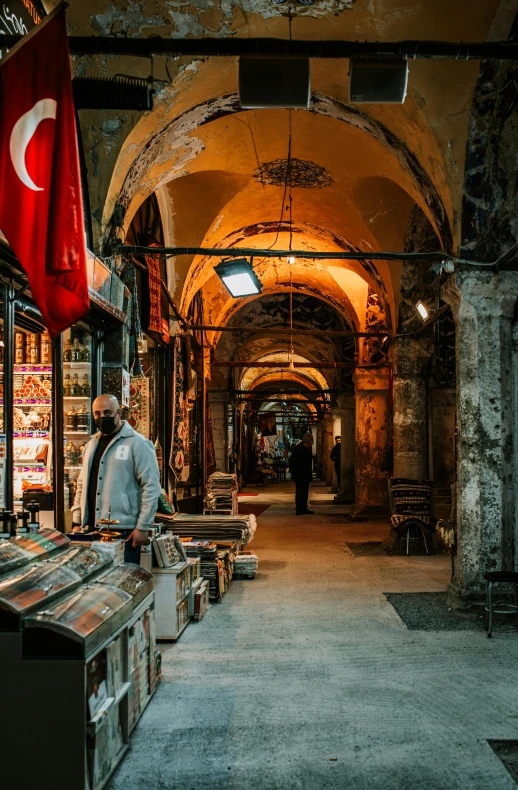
{"x": 237, "y": 252}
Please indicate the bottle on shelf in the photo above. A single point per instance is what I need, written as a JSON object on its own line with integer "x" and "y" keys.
{"x": 71, "y": 420}
{"x": 86, "y": 352}
{"x": 83, "y": 419}
{"x": 76, "y": 389}
{"x": 19, "y": 348}
{"x": 77, "y": 351}
{"x": 67, "y": 354}
{"x": 67, "y": 386}
{"x": 45, "y": 349}
{"x": 86, "y": 385}
{"x": 23, "y": 522}
{"x": 80, "y": 452}
{"x": 71, "y": 455}
{"x": 5, "y": 520}
{"x": 13, "y": 521}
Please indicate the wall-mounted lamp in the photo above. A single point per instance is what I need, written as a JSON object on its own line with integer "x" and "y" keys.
{"x": 238, "y": 277}
{"x": 291, "y": 259}
{"x": 422, "y": 310}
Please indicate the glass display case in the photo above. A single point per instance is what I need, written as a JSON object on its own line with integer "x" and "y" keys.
{"x": 77, "y": 404}
{"x": 29, "y": 588}
{"x": 133, "y": 579}
{"x": 32, "y": 401}
{"x": 86, "y": 561}
{"x": 42, "y": 544}
{"x": 13, "y": 556}
{"x": 84, "y": 620}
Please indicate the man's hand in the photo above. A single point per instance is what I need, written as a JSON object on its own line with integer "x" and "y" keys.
{"x": 138, "y": 538}
{"x": 77, "y": 528}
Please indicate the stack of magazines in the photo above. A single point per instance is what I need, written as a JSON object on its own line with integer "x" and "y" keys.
{"x": 221, "y": 492}
{"x": 245, "y": 565}
{"x": 215, "y": 528}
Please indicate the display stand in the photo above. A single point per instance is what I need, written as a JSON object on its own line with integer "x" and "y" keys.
{"x": 55, "y": 692}
{"x": 172, "y": 587}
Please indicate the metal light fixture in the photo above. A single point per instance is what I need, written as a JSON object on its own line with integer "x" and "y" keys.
{"x": 238, "y": 277}
{"x": 422, "y": 310}
{"x": 291, "y": 259}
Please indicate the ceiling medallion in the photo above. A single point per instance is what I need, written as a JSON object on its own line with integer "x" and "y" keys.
{"x": 293, "y": 172}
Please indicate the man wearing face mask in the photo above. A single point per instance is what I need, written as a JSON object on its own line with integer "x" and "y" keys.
{"x": 120, "y": 473}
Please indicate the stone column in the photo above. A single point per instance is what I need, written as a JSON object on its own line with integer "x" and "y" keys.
{"x": 411, "y": 360}
{"x": 219, "y": 401}
{"x": 327, "y": 446}
{"x": 347, "y": 405}
{"x": 372, "y": 416}
{"x": 336, "y": 432}
{"x": 487, "y": 441}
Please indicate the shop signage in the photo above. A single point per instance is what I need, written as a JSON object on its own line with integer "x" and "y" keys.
{"x": 17, "y": 17}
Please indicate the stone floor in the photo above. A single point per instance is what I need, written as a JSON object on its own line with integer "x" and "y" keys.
{"x": 306, "y": 678}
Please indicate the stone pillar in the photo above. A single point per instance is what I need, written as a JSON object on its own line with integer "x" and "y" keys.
{"x": 410, "y": 414}
{"x": 327, "y": 446}
{"x": 487, "y": 442}
{"x": 336, "y": 432}
{"x": 219, "y": 401}
{"x": 347, "y": 405}
{"x": 372, "y": 417}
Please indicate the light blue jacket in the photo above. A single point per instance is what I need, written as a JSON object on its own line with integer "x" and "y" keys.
{"x": 128, "y": 481}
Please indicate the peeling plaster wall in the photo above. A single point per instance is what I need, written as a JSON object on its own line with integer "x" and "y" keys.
{"x": 372, "y": 428}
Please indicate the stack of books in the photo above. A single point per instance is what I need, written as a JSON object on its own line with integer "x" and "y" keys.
{"x": 245, "y": 565}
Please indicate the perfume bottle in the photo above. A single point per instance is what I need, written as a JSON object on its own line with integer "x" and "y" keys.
{"x": 67, "y": 354}
{"x": 67, "y": 384}
{"x": 86, "y": 385}
{"x": 77, "y": 351}
{"x": 76, "y": 390}
{"x": 86, "y": 352}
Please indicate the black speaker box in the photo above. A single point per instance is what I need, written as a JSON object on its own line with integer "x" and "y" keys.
{"x": 378, "y": 81}
{"x": 273, "y": 82}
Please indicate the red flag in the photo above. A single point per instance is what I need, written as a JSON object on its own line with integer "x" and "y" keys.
{"x": 41, "y": 209}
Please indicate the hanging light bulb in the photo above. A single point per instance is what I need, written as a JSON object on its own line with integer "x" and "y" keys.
{"x": 291, "y": 259}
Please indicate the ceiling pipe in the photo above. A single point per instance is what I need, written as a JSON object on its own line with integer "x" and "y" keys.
{"x": 254, "y": 252}
{"x": 221, "y": 363}
{"x": 286, "y": 330}
{"x": 233, "y": 47}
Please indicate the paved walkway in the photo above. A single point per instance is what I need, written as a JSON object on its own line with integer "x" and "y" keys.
{"x": 307, "y": 679}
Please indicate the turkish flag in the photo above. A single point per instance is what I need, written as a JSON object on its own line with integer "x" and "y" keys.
{"x": 41, "y": 210}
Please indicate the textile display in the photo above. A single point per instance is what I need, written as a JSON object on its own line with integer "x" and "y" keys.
{"x": 178, "y": 457}
{"x": 155, "y": 293}
{"x": 215, "y": 528}
{"x": 209, "y": 438}
{"x": 412, "y": 501}
{"x": 138, "y": 413}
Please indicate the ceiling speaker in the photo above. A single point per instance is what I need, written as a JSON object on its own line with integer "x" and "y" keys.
{"x": 273, "y": 82}
{"x": 378, "y": 81}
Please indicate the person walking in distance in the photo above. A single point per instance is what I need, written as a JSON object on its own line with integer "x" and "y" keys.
{"x": 301, "y": 470}
{"x": 336, "y": 457}
{"x": 119, "y": 476}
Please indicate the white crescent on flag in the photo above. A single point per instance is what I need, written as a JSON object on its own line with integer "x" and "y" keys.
{"x": 22, "y": 134}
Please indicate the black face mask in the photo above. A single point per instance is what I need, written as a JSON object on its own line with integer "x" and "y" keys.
{"x": 106, "y": 424}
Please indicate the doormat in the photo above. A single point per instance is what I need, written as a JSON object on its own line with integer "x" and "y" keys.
{"x": 371, "y": 548}
{"x": 428, "y": 611}
{"x": 507, "y": 753}
{"x": 249, "y": 509}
